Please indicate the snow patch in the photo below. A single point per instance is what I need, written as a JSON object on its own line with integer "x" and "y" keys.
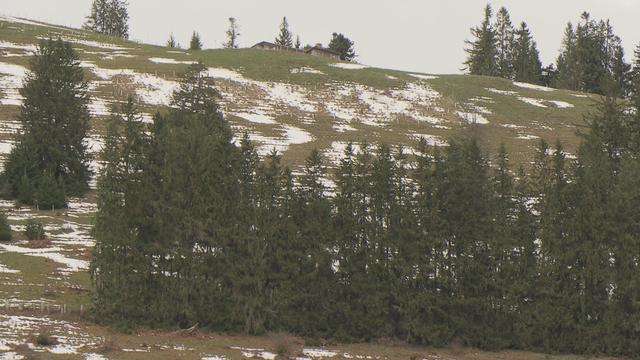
{"x": 319, "y": 353}
{"x": 6, "y": 270}
{"x": 344, "y": 128}
{"x": 472, "y": 118}
{"x": 24, "y": 47}
{"x": 527, "y": 137}
{"x": 424, "y": 77}
{"x": 349, "y": 66}
{"x": 306, "y": 70}
{"x": 53, "y": 253}
{"x": 532, "y": 86}
{"x": 502, "y": 92}
{"x": 11, "y": 79}
{"x": 259, "y": 117}
{"x": 432, "y": 140}
{"x": 170, "y": 61}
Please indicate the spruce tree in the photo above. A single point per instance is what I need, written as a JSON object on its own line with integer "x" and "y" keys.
{"x": 5, "y": 228}
{"x": 526, "y": 60}
{"x": 482, "y": 53}
{"x": 195, "y": 43}
{"x": 232, "y": 34}
{"x": 284, "y": 38}
{"x": 567, "y": 63}
{"x": 505, "y": 43}
{"x": 343, "y": 46}
{"x": 109, "y": 17}
{"x": 52, "y": 149}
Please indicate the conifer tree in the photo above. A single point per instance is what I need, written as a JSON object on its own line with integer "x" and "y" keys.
{"x": 343, "y": 46}
{"x": 298, "y": 44}
{"x": 482, "y": 53}
{"x": 567, "y": 62}
{"x": 195, "y": 43}
{"x": 505, "y": 43}
{"x": 5, "y": 228}
{"x": 51, "y": 151}
{"x": 109, "y": 17}
{"x": 232, "y": 34}
{"x": 526, "y": 61}
{"x": 284, "y": 38}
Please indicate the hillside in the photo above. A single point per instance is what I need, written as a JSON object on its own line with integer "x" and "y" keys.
{"x": 289, "y": 101}
{"x": 295, "y": 102}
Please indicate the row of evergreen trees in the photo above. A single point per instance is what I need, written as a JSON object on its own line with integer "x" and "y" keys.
{"x": 109, "y": 17}
{"x": 192, "y": 228}
{"x": 499, "y": 49}
{"x": 591, "y": 59}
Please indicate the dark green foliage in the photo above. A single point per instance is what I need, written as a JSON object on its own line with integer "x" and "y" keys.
{"x": 45, "y": 339}
{"x": 343, "y": 46}
{"x": 34, "y": 230}
{"x": 592, "y": 59}
{"x": 50, "y": 159}
{"x": 285, "y": 37}
{"x": 195, "y": 43}
{"x": 5, "y": 228}
{"x": 526, "y": 58}
{"x": 505, "y": 43}
{"x": 445, "y": 246}
{"x": 109, "y": 17}
{"x": 482, "y": 53}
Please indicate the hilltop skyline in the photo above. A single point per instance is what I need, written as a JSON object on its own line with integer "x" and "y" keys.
{"x": 404, "y": 35}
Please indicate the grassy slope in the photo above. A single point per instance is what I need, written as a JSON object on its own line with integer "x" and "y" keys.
{"x": 39, "y": 278}
{"x": 457, "y": 93}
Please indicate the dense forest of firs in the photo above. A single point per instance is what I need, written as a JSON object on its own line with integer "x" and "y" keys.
{"x": 447, "y": 243}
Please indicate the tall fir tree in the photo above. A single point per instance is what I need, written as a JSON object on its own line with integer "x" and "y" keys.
{"x": 482, "y": 53}
{"x": 52, "y": 149}
{"x": 195, "y": 43}
{"x": 284, "y": 38}
{"x": 505, "y": 43}
{"x": 526, "y": 60}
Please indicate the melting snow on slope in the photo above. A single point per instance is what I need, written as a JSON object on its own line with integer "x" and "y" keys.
{"x": 11, "y": 78}
{"x": 94, "y": 44}
{"x": 259, "y": 117}
{"x": 543, "y": 103}
{"x": 291, "y": 136}
{"x": 531, "y": 86}
{"x": 472, "y": 118}
{"x": 6, "y": 270}
{"x": 53, "y": 253}
{"x": 10, "y": 45}
{"x": 151, "y": 89}
{"x": 502, "y": 92}
{"x": 287, "y": 94}
{"x": 424, "y": 77}
{"x": 170, "y": 61}
{"x": 17, "y": 330}
{"x": 306, "y": 70}
{"x": 349, "y": 66}
{"x": 432, "y": 140}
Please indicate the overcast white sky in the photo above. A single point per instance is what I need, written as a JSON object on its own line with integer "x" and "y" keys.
{"x": 415, "y": 35}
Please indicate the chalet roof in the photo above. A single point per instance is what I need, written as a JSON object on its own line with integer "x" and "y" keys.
{"x": 322, "y": 48}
